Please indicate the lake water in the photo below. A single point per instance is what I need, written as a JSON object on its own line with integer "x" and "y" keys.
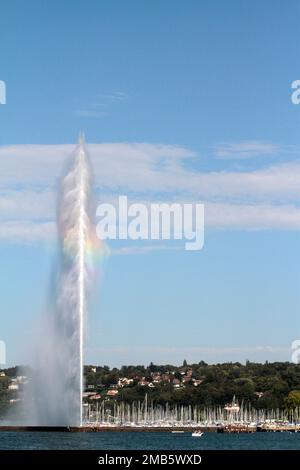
{"x": 147, "y": 441}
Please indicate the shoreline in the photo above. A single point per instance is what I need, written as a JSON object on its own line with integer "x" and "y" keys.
{"x": 236, "y": 429}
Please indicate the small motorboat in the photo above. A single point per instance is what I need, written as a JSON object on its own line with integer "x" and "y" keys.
{"x": 197, "y": 434}
{"x": 177, "y": 432}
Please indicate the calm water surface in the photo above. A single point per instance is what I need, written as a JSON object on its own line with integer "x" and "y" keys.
{"x": 147, "y": 441}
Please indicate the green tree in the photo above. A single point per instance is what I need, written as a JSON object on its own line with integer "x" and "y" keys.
{"x": 293, "y": 399}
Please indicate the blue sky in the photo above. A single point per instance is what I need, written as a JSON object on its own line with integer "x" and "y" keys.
{"x": 185, "y": 101}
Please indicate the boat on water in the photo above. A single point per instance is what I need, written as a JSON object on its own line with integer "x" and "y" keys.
{"x": 197, "y": 434}
{"x": 177, "y": 432}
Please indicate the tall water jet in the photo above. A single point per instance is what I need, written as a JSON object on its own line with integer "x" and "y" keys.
{"x": 74, "y": 231}
{"x": 56, "y": 397}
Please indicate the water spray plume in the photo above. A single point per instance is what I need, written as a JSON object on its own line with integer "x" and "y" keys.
{"x": 58, "y": 385}
{"x": 74, "y": 228}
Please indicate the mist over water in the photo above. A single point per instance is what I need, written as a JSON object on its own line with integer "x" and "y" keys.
{"x": 57, "y": 386}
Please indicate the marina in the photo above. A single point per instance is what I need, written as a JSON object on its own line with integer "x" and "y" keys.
{"x": 222, "y": 428}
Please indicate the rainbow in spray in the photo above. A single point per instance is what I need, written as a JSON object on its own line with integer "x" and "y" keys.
{"x": 56, "y": 398}
{"x": 80, "y": 250}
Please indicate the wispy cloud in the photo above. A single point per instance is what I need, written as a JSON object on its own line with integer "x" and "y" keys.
{"x": 151, "y": 168}
{"x": 114, "y": 96}
{"x": 20, "y": 224}
{"x": 252, "y": 216}
{"x": 103, "y": 104}
{"x": 261, "y": 199}
{"x": 23, "y": 204}
{"x": 27, "y": 232}
{"x": 248, "y": 149}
